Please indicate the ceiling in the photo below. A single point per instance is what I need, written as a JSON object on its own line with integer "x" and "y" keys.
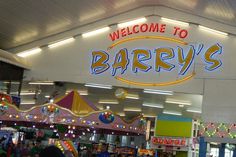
{"x": 95, "y": 95}
{"x": 25, "y": 21}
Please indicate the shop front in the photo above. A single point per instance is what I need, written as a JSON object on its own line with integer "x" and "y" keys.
{"x": 173, "y": 136}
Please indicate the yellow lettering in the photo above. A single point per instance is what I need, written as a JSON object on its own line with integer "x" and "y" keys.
{"x": 185, "y": 62}
{"x": 121, "y": 61}
{"x": 139, "y": 56}
{"x": 163, "y": 54}
{"x": 99, "y": 62}
{"x": 214, "y": 63}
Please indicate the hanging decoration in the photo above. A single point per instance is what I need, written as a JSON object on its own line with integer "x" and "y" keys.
{"x": 120, "y": 93}
{"x": 221, "y": 130}
{"x": 50, "y": 109}
{"x": 106, "y": 117}
{"x": 3, "y": 108}
{"x": 142, "y": 123}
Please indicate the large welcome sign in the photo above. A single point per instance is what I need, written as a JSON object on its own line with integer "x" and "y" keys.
{"x": 169, "y": 52}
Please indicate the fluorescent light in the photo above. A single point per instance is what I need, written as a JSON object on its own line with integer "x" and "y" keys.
{"x": 132, "y": 96}
{"x": 6, "y": 82}
{"x": 24, "y": 93}
{"x": 95, "y": 32}
{"x": 194, "y": 110}
{"x": 29, "y": 52}
{"x": 27, "y": 103}
{"x": 181, "y": 105}
{"x": 47, "y": 96}
{"x": 27, "y": 93}
{"x": 154, "y": 91}
{"x": 62, "y": 42}
{"x": 133, "y": 22}
{"x": 175, "y": 21}
{"x": 212, "y": 30}
{"x": 179, "y": 102}
{"x": 108, "y": 102}
{"x": 81, "y": 92}
{"x": 98, "y": 85}
{"x": 42, "y": 83}
{"x": 153, "y": 105}
{"x": 132, "y": 110}
{"x": 172, "y": 112}
{"x": 149, "y": 116}
{"x": 121, "y": 114}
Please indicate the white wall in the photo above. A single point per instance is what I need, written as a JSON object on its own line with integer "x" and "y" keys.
{"x": 72, "y": 62}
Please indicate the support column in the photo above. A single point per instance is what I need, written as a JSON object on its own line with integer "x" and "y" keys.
{"x": 234, "y": 152}
{"x": 222, "y": 150}
{"x": 202, "y": 147}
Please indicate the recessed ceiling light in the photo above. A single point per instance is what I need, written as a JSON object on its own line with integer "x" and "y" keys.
{"x": 132, "y": 96}
{"x": 42, "y": 83}
{"x": 98, "y": 85}
{"x": 95, "y": 32}
{"x": 107, "y": 101}
{"x": 154, "y": 91}
{"x": 149, "y": 116}
{"x": 172, "y": 112}
{"x": 61, "y": 42}
{"x": 29, "y": 52}
{"x": 212, "y": 30}
{"x": 153, "y": 105}
{"x": 179, "y": 102}
{"x": 27, "y": 103}
{"x": 194, "y": 110}
{"x": 132, "y": 22}
{"x": 175, "y": 21}
{"x": 132, "y": 110}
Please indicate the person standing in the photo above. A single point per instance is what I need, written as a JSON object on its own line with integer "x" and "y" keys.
{"x": 104, "y": 152}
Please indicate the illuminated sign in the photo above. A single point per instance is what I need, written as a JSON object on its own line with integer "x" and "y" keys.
{"x": 158, "y": 60}
{"x": 169, "y": 141}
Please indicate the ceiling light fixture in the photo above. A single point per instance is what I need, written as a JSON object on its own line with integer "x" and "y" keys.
{"x": 132, "y": 96}
{"x": 212, "y": 30}
{"x": 194, "y": 110}
{"x": 27, "y": 103}
{"x": 83, "y": 92}
{"x": 172, "y": 112}
{"x": 29, "y": 52}
{"x": 24, "y": 93}
{"x": 27, "y": 93}
{"x": 154, "y": 91}
{"x": 132, "y": 22}
{"x": 153, "y": 105}
{"x": 121, "y": 114}
{"x": 175, "y": 21}
{"x": 132, "y": 110}
{"x": 61, "y": 42}
{"x": 108, "y": 102}
{"x": 42, "y": 83}
{"x": 179, "y": 102}
{"x": 95, "y": 32}
{"x": 47, "y": 96}
{"x": 98, "y": 85}
{"x": 149, "y": 116}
